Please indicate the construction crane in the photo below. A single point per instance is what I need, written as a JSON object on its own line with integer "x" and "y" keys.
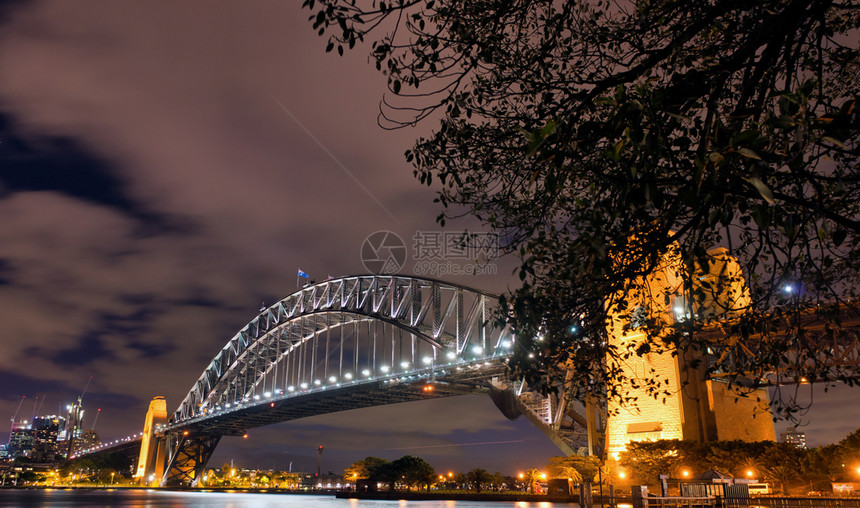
{"x": 96, "y": 419}
{"x": 15, "y": 416}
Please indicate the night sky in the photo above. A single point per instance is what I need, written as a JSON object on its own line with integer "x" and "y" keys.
{"x": 165, "y": 167}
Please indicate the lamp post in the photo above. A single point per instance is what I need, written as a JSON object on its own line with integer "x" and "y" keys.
{"x": 600, "y": 482}
{"x": 111, "y": 476}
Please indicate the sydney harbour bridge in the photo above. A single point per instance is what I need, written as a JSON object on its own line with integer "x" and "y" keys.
{"x": 370, "y": 340}
{"x": 342, "y": 344}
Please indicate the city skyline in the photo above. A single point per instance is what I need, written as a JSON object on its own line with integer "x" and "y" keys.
{"x": 183, "y": 162}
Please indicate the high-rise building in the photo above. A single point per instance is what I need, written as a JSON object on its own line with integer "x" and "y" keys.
{"x": 45, "y": 431}
{"x": 72, "y": 431}
{"x": 20, "y": 440}
{"x": 35, "y": 439}
{"x": 88, "y": 439}
{"x": 792, "y": 436}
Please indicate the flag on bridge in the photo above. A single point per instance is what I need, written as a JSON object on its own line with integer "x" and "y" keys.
{"x": 301, "y": 275}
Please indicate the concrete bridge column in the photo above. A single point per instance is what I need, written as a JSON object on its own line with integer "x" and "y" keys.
{"x": 150, "y": 463}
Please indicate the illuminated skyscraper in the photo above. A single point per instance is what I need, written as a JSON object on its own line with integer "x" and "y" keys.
{"x": 792, "y": 436}
{"x": 72, "y": 430}
{"x": 45, "y": 433}
{"x": 88, "y": 439}
{"x": 20, "y": 440}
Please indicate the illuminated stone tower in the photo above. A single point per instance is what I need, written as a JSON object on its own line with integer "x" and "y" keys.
{"x": 687, "y": 406}
{"x": 150, "y": 464}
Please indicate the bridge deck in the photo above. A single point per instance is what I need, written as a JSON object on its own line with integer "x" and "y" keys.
{"x": 359, "y": 395}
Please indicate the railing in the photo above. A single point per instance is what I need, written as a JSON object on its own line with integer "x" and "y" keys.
{"x": 678, "y": 502}
{"x": 799, "y": 502}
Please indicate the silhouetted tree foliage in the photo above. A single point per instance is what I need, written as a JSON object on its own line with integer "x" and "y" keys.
{"x": 599, "y": 137}
{"x": 479, "y": 477}
{"x": 498, "y": 481}
{"x": 408, "y": 470}
{"x": 385, "y": 472}
{"x": 362, "y": 469}
{"x": 118, "y": 462}
{"x": 851, "y": 444}
{"x": 414, "y": 471}
{"x": 585, "y": 468}
{"x": 781, "y": 464}
{"x": 532, "y": 478}
{"x": 823, "y": 464}
{"x": 26, "y": 477}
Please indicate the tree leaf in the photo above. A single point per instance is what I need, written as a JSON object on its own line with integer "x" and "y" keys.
{"x": 762, "y": 189}
{"x": 746, "y": 152}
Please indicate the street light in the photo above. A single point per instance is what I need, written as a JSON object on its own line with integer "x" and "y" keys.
{"x": 111, "y": 477}
{"x": 685, "y": 473}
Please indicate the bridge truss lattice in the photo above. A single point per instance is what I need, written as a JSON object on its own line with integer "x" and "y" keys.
{"x": 344, "y": 332}
{"x": 347, "y": 343}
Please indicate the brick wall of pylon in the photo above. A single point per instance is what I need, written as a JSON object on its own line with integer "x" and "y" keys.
{"x": 686, "y": 406}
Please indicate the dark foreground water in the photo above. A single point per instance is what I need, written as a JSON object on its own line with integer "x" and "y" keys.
{"x": 158, "y": 499}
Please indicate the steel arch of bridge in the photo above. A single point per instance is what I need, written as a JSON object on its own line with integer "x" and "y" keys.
{"x": 353, "y": 342}
{"x": 310, "y": 341}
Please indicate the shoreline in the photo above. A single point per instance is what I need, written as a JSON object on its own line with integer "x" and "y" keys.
{"x": 464, "y": 496}
{"x": 339, "y": 494}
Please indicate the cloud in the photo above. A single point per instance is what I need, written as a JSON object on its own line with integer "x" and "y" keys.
{"x": 5, "y": 272}
{"x": 62, "y": 164}
{"x": 120, "y": 117}
{"x": 16, "y": 383}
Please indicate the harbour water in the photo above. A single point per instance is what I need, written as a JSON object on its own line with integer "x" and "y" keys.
{"x": 142, "y": 498}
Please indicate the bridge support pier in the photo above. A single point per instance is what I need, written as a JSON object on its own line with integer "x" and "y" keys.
{"x": 151, "y": 460}
{"x": 187, "y": 455}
